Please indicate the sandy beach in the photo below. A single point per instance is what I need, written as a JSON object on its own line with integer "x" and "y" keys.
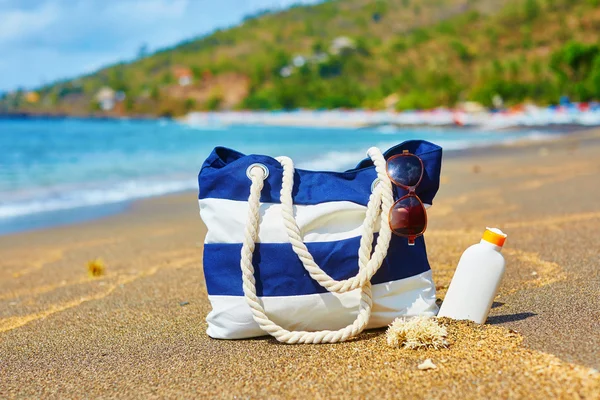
{"x": 138, "y": 331}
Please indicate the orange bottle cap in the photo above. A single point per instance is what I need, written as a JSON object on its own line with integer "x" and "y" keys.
{"x": 494, "y": 236}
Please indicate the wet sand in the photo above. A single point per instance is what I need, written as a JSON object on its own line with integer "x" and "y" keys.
{"x": 139, "y": 330}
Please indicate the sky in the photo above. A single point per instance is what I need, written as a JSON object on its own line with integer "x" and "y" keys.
{"x": 45, "y": 40}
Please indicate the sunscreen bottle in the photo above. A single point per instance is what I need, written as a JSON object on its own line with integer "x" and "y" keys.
{"x": 476, "y": 279}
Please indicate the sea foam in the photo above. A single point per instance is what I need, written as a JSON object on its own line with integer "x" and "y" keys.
{"x": 120, "y": 192}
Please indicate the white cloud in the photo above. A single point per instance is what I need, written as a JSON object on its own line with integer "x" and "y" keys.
{"x": 18, "y": 24}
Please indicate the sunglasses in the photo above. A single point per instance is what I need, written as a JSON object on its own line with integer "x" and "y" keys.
{"x": 407, "y": 217}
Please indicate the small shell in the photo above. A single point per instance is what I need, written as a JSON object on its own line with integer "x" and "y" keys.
{"x": 427, "y": 364}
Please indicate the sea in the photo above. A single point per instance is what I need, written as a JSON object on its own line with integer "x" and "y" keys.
{"x": 62, "y": 171}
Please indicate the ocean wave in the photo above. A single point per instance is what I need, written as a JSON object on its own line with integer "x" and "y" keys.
{"x": 121, "y": 192}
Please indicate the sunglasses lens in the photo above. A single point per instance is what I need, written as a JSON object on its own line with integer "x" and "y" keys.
{"x": 405, "y": 170}
{"x": 408, "y": 217}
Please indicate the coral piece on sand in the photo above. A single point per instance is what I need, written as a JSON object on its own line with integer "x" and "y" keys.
{"x": 416, "y": 332}
{"x": 96, "y": 267}
{"x": 427, "y": 364}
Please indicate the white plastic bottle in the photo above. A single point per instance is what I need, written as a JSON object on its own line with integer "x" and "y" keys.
{"x": 476, "y": 279}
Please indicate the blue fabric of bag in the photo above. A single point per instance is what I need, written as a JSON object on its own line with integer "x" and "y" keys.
{"x": 278, "y": 270}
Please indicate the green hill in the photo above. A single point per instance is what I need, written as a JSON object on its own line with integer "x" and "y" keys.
{"x": 355, "y": 53}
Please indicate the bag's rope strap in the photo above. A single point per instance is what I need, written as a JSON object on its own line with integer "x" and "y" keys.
{"x": 372, "y": 262}
{"x": 365, "y": 261}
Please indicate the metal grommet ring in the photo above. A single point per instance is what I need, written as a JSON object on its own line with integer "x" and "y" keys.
{"x": 374, "y": 184}
{"x": 261, "y": 166}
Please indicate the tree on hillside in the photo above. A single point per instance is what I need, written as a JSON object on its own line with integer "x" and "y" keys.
{"x": 575, "y": 67}
{"x": 594, "y": 78}
{"x": 574, "y": 60}
{"x": 532, "y": 10}
{"x": 143, "y": 51}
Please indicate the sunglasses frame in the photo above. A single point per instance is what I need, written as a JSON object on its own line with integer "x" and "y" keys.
{"x": 411, "y": 193}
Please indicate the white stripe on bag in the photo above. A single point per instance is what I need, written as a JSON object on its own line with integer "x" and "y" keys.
{"x": 325, "y": 222}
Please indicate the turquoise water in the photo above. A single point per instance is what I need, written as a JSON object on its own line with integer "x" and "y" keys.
{"x": 62, "y": 171}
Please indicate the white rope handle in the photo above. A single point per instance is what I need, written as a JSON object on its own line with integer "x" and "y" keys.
{"x": 373, "y": 262}
{"x": 365, "y": 262}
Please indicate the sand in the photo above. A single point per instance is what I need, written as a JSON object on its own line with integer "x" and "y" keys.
{"x": 138, "y": 331}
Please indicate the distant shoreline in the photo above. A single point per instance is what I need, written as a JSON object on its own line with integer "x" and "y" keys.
{"x": 46, "y": 117}
{"x": 550, "y": 128}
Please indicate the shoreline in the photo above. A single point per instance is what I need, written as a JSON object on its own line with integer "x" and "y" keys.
{"x": 66, "y": 217}
{"x": 58, "y": 117}
{"x": 304, "y": 123}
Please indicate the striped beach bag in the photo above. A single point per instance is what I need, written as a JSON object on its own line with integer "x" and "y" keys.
{"x": 309, "y": 256}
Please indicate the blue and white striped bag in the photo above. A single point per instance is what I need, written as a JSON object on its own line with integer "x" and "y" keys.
{"x": 308, "y": 256}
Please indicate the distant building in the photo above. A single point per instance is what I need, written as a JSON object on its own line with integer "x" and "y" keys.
{"x": 341, "y": 44}
{"x": 183, "y": 75}
{"x": 497, "y": 101}
{"x": 32, "y": 97}
{"x": 299, "y": 61}
{"x": 106, "y": 98}
{"x": 286, "y": 71}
